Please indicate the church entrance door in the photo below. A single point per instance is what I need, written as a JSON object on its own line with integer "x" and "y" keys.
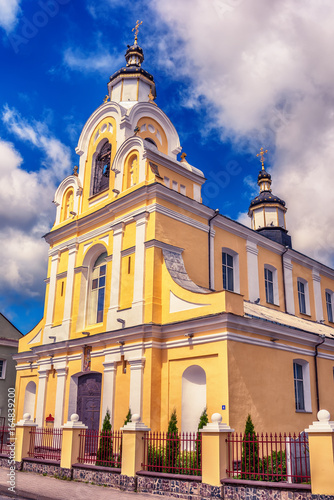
{"x": 89, "y": 399}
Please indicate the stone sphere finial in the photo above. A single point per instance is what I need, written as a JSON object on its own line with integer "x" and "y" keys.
{"x": 135, "y": 417}
{"x": 323, "y": 416}
{"x": 27, "y": 416}
{"x": 74, "y": 417}
{"x": 216, "y": 418}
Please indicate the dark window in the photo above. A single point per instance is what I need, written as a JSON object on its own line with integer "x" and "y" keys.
{"x": 301, "y": 297}
{"x": 1, "y": 368}
{"x": 329, "y": 306}
{"x": 299, "y": 386}
{"x": 269, "y": 283}
{"x": 98, "y": 289}
{"x": 101, "y": 169}
{"x": 228, "y": 283}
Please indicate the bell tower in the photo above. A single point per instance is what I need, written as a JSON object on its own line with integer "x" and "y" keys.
{"x": 267, "y": 211}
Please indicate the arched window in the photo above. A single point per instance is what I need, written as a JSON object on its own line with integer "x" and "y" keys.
{"x": 151, "y": 141}
{"x": 97, "y": 289}
{"x": 101, "y": 169}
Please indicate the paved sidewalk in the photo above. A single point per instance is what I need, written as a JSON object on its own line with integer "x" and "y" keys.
{"x": 36, "y": 487}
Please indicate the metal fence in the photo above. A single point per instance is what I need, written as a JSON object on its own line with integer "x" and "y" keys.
{"x": 100, "y": 448}
{"x": 269, "y": 457}
{"x": 45, "y": 443}
{"x": 7, "y": 436}
{"x": 173, "y": 453}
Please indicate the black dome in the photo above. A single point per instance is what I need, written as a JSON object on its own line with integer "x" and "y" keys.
{"x": 267, "y": 197}
{"x": 263, "y": 174}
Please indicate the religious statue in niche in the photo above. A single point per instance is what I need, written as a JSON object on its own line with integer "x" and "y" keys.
{"x": 133, "y": 172}
{"x": 69, "y": 205}
{"x": 101, "y": 170}
{"x": 87, "y": 359}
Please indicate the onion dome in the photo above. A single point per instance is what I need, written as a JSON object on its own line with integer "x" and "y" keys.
{"x": 132, "y": 83}
{"x": 267, "y": 211}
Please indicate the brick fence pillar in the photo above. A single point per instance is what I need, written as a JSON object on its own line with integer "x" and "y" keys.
{"x": 321, "y": 444}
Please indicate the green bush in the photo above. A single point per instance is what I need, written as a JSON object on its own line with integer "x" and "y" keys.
{"x": 274, "y": 467}
{"x": 250, "y": 452}
{"x": 173, "y": 443}
{"x": 105, "y": 450}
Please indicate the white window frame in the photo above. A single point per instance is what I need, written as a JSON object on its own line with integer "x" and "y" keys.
{"x": 275, "y": 284}
{"x": 236, "y": 277}
{"x": 306, "y": 385}
{"x": 4, "y": 365}
{"x": 90, "y": 293}
{"x": 331, "y": 294}
{"x": 307, "y": 296}
{"x": 167, "y": 181}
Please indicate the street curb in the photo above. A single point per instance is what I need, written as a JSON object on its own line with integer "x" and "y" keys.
{"x": 26, "y": 495}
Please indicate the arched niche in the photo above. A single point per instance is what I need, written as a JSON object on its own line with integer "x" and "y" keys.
{"x": 29, "y": 399}
{"x": 193, "y": 397}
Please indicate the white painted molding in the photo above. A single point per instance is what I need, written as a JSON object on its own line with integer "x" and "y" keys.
{"x": 74, "y": 423}
{"x": 135, "y": 424}
{"x": 216, "y": 425}
{"x": 163, "y": 246}
{"x": 176, "y": 304}
{"x": 322, "y": 425}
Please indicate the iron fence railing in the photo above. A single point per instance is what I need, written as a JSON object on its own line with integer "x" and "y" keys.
{"x": 7, "y": 437}
{"x": 102, "y": 448}
{"x": 45, "y": 443}
{"x": 269, "y": 457}
{"x": 173, "y": 453}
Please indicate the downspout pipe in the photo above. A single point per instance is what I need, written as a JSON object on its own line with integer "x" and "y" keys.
{"x": 209, "y": 245}
{"x": 286, "y": 249}
{"x": 323, "y": 338}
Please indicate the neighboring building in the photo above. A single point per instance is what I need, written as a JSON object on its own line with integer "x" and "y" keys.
{"x": 155, "y": 301}
{"x": 9, "y": 342}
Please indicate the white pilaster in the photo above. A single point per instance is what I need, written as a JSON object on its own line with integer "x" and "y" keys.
{"x": 317, "y": 295}
{"x": 41, "y": 393}
{"x": 288, "y": 280}
{"x": 72, "y": 252}
{"x": 139, "y": 274}
{"x": 118, "y": 230}
{"x": 52, "y": 289}
{"x": 253, "y": 271}
{"x": 108, "y": 397}
{"x": 136, "y": 385}
{"x": 212, "y": 258}
{"x": 60, "y": 395}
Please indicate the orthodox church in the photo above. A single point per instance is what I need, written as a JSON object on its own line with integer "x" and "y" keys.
{"x": 155, "y": 301}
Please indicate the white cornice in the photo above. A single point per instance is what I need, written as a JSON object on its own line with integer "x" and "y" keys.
{"x": 9, "y": 342}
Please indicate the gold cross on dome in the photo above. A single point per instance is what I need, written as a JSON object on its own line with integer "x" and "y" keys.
{"x": 262, "y": 153}
{"x": 136, "y": 29}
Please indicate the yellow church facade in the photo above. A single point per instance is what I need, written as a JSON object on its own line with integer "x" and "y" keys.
{"x": 154, "y": 301}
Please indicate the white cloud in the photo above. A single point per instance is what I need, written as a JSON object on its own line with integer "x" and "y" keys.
{"x": 99, "y": 60}
{"x": 26, "y": 210}
{"x": 266, "y": 71}
{"x": 9, "y": 10}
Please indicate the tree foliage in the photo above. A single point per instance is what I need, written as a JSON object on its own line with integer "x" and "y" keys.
{"x": 104, "y": 454}
{"x": 250, "y": 452}
{"x": 173, "y": 443}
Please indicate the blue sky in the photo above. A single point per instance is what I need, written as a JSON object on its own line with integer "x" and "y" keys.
{"x": 232, "y": 75}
